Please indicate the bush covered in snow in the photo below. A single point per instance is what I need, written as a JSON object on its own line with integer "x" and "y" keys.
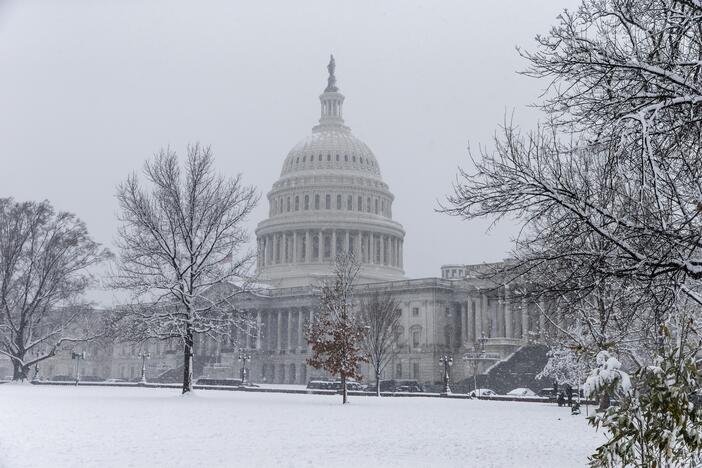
{"x": 656, "y": 423}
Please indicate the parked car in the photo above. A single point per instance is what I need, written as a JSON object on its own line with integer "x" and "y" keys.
{"x": 522, "y": 392}
{"x": 482, "y": 392}
{"x": 91, "y": 378}
{"x": 548, "y": 392}
{"x": 220, "y": 382}
{"x": 396, "y": 385}
{"x": 333, "y": 385}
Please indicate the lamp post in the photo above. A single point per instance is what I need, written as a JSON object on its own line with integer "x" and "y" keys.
{"x": 77, "y": 357}
{"x": 475, "y": 357}
{"x": 447, "y": 362}
{"x": 144, "y": 357}
{"x": 244, "y": 357}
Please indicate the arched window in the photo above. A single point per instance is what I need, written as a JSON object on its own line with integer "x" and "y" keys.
{"x": 349, "y": 203}
{"x": 307, "y": 202}
{"x": 315, "y": 247}
{"x": 320, "y": 158}
{"x": 297, "y": 203}
{"x": 338, "y": 202}
{"x": 360, "y": 203}
{"x": 316, "y": 201}
{"x": 354, "y": 158}
{"x": 287, "y": 203}
{"x": 327, "y": 201}
{"x": 346, "y": 157}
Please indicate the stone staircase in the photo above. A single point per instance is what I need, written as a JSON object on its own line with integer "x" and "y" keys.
{"x": 518, "y": 370}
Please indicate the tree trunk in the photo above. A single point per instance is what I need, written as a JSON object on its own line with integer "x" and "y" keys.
{"x": 343, "y": 389}
{"x": 19, "y": 372}
{"x": 377, "y": 382}
{"x": 604, "y": 402}
{"x": 188, "y": 361}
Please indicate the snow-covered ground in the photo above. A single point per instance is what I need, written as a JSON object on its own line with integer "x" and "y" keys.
{"x": 49, "y": 426}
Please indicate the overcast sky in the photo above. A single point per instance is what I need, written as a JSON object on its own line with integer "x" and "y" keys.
{"x": 90, "y": 89}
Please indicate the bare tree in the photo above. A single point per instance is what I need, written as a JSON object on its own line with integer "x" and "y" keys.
{"x": 336, "y": 334}
{"x": 183, "y": 251}
{"x": 45, "y": 259}
{"x": 380, "y": 316}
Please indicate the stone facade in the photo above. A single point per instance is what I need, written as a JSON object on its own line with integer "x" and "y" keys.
{"x": 331, "y": 198}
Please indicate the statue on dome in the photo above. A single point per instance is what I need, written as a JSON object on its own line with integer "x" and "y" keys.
{"x": 331, "y": 81}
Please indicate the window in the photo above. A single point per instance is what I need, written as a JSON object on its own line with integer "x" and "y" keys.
{"x": 307, "y": 202}
{"x": 415, "y": 311}
{"x": 316, "y": 202}
{"x": 349, "y": 203}
{"x": 329, "y": 157}
{"x": 360, "y": 203}
{"x": 346, "y": 157}
{"x": 319, "y": 158}
{"x": 304, "y": 158}
{"x": 368, "y": 205}
{"x": 415, "y": 370}
{"x": 297, "y": 203}
{"x": 398, "y": 370}
{"x": 287, "y": 202}
{"x": 354, "y": 159}
{"x": 337, "y": 158}
{"x": 327, "y": 201}
{"x": 416, "y": 333}
{"x": 338, "y": 202}
{"x": 376, "y": 206}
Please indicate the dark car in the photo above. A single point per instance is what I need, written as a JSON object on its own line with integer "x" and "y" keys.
{"x": 333, "y": 385}
{"x": 91, "y": 378}
{"x": 548, "y": 393}
{"x": 219, "y": 382}
{"x": 396, "y": 385}
{"x": 63, "y": 378}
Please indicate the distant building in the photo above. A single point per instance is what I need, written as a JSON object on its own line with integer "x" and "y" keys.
{"x": 331, "y": 198}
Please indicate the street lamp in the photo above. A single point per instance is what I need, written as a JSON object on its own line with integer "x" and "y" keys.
{"x": 244, "y": 357}
{"x": 144, "y": 357}
{"x": 447, "y": 361}
{"x": 475, "y": 357}
{"x": 77, "y": 357}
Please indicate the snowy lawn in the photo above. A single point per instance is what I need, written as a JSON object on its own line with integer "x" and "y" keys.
{"x": 48, "y": 426}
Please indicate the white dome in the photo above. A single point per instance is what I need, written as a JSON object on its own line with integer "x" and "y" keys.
{"x": 333, "y": 148}
{"x": 330, "y": 198}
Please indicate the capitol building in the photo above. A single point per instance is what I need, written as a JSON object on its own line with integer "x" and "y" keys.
{"x": 331, "y": 198}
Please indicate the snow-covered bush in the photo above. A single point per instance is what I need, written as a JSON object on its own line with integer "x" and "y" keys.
{"x": 657, "y": 423}
{"x": 564, "y": 366}
{"x": 607, "y": 378}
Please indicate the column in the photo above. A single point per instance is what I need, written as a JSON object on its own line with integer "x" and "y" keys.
{"x": 320, "y": 246}
{"x": 478, "y": 322}
{"x": 525, "y": 319}
{"x": 508, "y": 313}
{"x": 279, "y": 330}
{"x": 347, "y": 237}
{"x": 276, "y": 248}
{"x": 484, "y": 312}
{"x": 357, "y": 248}
{"x": 542, "y": 319}
{"x": 333, "y": 251}
{"x": 371, "y": 248}
{"x": 308, "y": 247}
{"x": 466, "y": 325}
{"x": 382, "y": 249}
{"x": 289, "y": 314}
{"x": 294, "y": 252}
{"x": 402, "y": 260}
{"x": 300, "y": 329}
{"x": 258, "y": 329}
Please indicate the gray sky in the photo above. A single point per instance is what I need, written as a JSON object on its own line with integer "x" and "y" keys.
{"x": 90, "y": 89}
